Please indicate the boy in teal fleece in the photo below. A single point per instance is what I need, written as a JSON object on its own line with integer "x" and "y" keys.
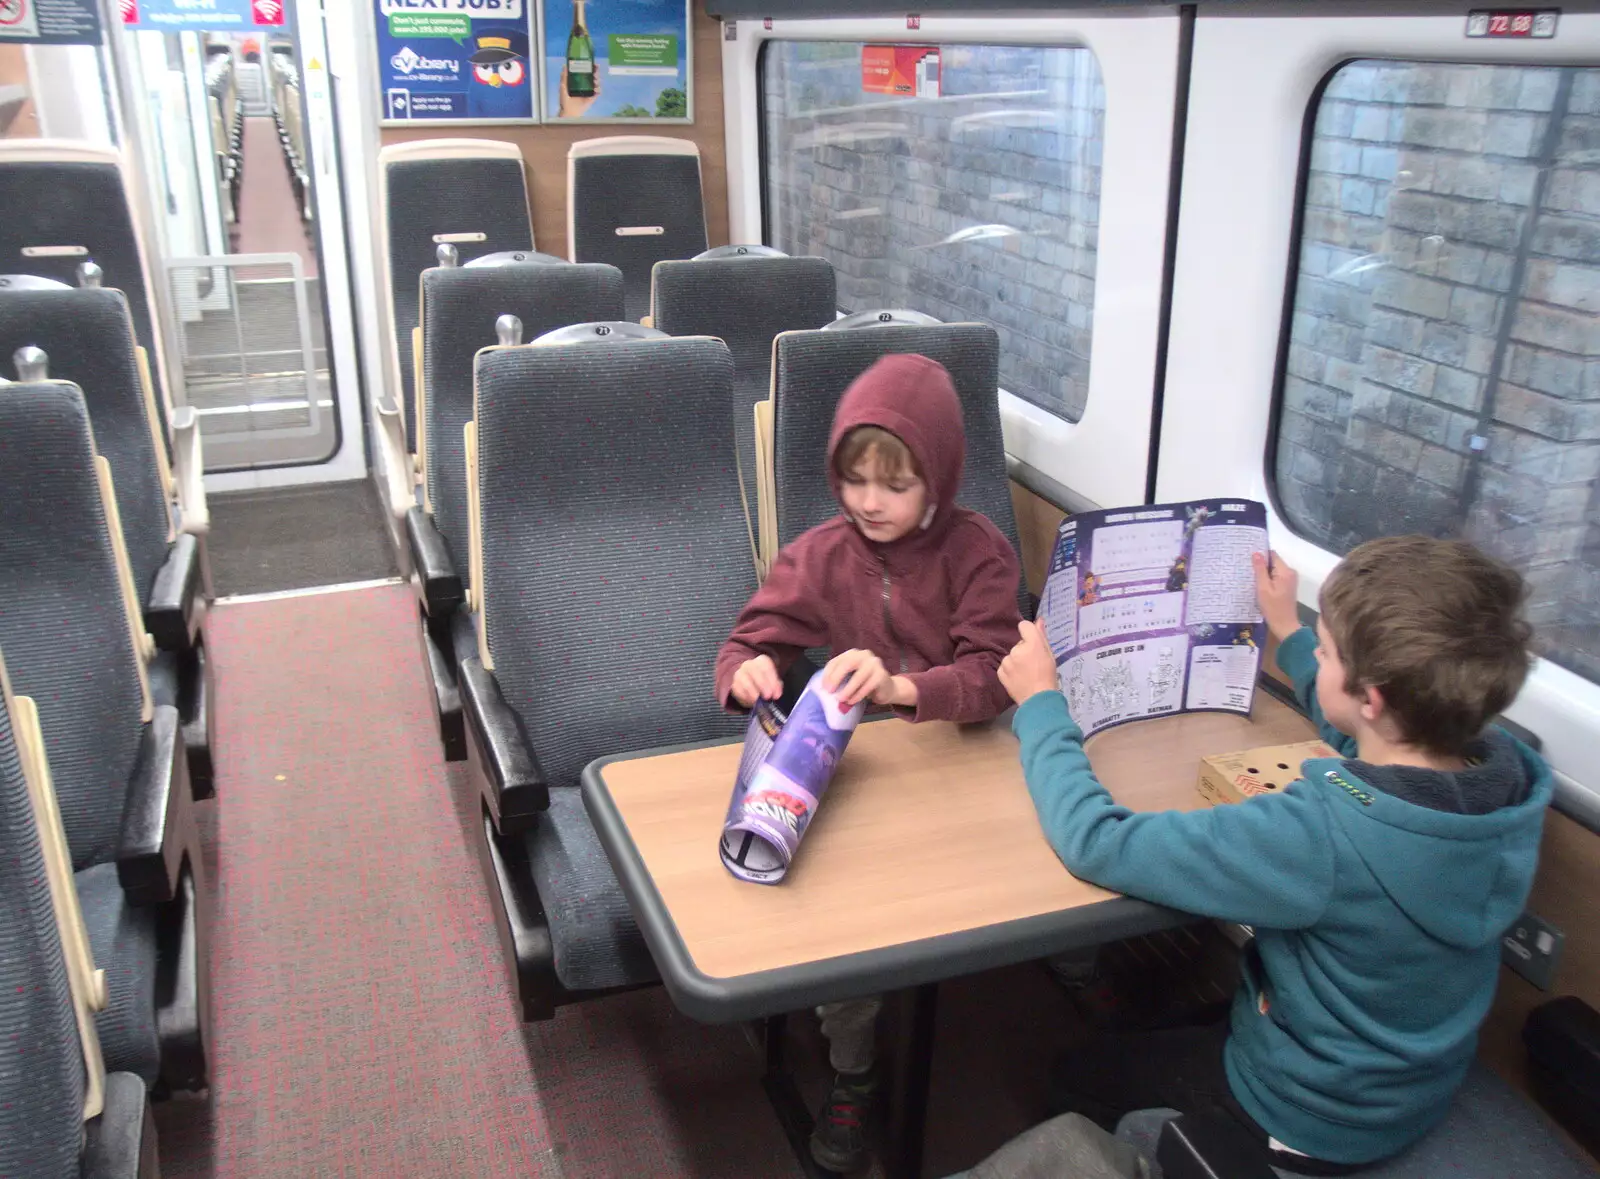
{"x": 1379, "y": 884}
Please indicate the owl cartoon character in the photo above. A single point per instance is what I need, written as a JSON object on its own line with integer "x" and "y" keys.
{"x": 499, "y": 88}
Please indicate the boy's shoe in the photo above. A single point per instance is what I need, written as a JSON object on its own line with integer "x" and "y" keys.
{"x": 839, "y": 1141}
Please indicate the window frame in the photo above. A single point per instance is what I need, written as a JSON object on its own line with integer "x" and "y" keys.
{"x": 1247, "y": 171}
{"x": 1106, "y": 456}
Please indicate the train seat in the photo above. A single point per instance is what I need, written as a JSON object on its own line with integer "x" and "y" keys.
{"x": 67, "y": 203}
{"x": 616, "y": 551}
{"x": 633, "y": 200}
{"x": 72, "y": 632}
{"x": 465, "y": 309}
{"x": 1489, "y": 1132}
{"x": 61, "y": 1115}
{"x": 471, "y": 194}
{"x": 746, "y": 300}
{"x": 812, "y": 369}
{"x": 88, "y": 334}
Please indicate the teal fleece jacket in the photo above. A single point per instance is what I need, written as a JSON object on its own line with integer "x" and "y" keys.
{"x": 1378, "y": 922}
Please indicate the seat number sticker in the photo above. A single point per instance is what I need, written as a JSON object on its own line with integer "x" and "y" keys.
{"x": 1525, "y": 22}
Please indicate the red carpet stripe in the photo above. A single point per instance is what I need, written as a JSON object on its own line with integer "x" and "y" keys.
{"x": 364, "y": 1024}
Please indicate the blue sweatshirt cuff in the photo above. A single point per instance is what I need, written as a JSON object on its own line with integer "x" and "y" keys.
{"x": 1046, "y": 709}
{"x": 1298, "y": 653}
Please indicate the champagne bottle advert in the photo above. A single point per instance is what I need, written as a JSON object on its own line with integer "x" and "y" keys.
{"x": 616, "y": 61}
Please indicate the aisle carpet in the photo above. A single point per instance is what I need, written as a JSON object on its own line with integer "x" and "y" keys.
{"x": 364, "y": 1024}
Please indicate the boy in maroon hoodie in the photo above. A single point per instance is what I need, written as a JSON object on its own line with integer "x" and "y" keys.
{"x": 917, "y": 600}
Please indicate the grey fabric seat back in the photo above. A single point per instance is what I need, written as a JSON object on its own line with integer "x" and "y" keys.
{"x": 447, "y": 196}
{"x": 1491, "y": 1131}
{"x": 459, "y": 308}
{"x": 87, "y": 337}
{"x": 62, "y": 624}
{"x": 612, "y": 194}
{"x": 614, "y": 552}
{"x": 42, "y": 1085}
{"x": 76, "y": 203}
{"x": 746, "y": 302}
{"x": 815, "y": 368}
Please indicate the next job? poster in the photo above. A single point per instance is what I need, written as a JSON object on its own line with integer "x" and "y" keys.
{"x": 456, "y": 60}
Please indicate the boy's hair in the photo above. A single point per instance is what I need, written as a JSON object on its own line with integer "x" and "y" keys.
{"x": 1437, "y": 627}
{"x": 894, "y": 456}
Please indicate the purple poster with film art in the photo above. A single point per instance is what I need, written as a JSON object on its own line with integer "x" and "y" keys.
{"x": 783, "y": 774}
{"x": 1152, "y": 610}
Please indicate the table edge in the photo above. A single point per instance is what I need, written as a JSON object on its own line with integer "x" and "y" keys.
{"x": 789, "y": 988}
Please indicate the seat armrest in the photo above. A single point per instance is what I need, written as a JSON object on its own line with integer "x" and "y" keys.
{"x": 509, "y": 777}
{"x": 121, "y": 1142}
{"x": 188, "y": 472}
{"x": 1211, "y": 1146}
{"x": 171, "y": 616}
{"x": 150, "y": 854}
{"x": 398, "y": 473}
{"x": 437, "y": 579}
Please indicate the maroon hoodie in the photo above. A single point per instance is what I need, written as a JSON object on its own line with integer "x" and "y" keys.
{"x": 939, "y": 605}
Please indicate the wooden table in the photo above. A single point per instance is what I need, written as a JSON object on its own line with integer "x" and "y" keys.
{"x": 925, "y": 861}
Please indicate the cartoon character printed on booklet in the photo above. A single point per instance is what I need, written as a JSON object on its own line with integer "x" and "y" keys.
{"x": 1091, "y": 590}
{"x": 1178, "y": 576}
{"x": 1164, "y": 676}
{"x": 499, "y": 87}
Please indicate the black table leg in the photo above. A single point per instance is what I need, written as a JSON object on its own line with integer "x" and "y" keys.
{"x": 908, "y": 1092}
{"x": 785, "y": 1098}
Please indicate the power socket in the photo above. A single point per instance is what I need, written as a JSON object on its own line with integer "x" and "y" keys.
{"x": 1532, "y": 947}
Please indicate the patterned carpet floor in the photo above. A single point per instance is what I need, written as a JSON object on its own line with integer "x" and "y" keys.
{"x": 364, "y": 1024}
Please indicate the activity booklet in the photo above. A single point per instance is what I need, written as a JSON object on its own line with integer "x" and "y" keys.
{"x": 787, "y": 764}
{"x": 1152, "y": 610}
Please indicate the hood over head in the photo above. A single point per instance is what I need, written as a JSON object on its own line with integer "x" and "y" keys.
{"x": 914, "y": 399}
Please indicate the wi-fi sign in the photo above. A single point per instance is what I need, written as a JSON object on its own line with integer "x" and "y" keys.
{"x": 129, "y": 10}
{"x": 265, "y": 12}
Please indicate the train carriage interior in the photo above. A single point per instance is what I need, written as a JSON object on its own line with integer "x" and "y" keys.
{"x": 383, "y": 466}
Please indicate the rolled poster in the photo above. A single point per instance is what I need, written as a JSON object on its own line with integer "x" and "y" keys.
{"x": 787, "y": 764}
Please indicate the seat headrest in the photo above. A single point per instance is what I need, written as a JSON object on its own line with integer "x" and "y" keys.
{"x": 517, "y": 258}
{"x": 739, "y": 252}
{"x": 612, "y": 332}
{"x": 900, "y": 317}
{"x": 31, "y": 282}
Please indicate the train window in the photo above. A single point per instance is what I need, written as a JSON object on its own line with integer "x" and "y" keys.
{"x": 1443, "y": 368}
{"x": 975, "y": 198}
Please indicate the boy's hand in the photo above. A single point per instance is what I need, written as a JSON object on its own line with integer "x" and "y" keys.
{"x": 1277, "y": 589}
{"x": 756, "y": 679}
{"x": 856, "y": 675}
{"x": 1030, "y": 668}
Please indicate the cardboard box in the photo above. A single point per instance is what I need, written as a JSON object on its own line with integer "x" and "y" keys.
{"x": 1234, "y": 777}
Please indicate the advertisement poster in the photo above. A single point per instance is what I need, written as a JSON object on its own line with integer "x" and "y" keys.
{"x": 208, "y": 16}
{"x": 50, "y": 22}
{"x": 1152, "y": 611}
{"x": 460, "y": 60}
{"x": 608, "y": 61}
{"x": 911, "y": 71}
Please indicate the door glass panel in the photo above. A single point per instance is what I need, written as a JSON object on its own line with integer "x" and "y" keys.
{"x": 235, "y": 216}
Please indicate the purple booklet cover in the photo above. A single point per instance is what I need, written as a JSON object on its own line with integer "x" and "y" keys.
{"x": 787, "y": 764}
